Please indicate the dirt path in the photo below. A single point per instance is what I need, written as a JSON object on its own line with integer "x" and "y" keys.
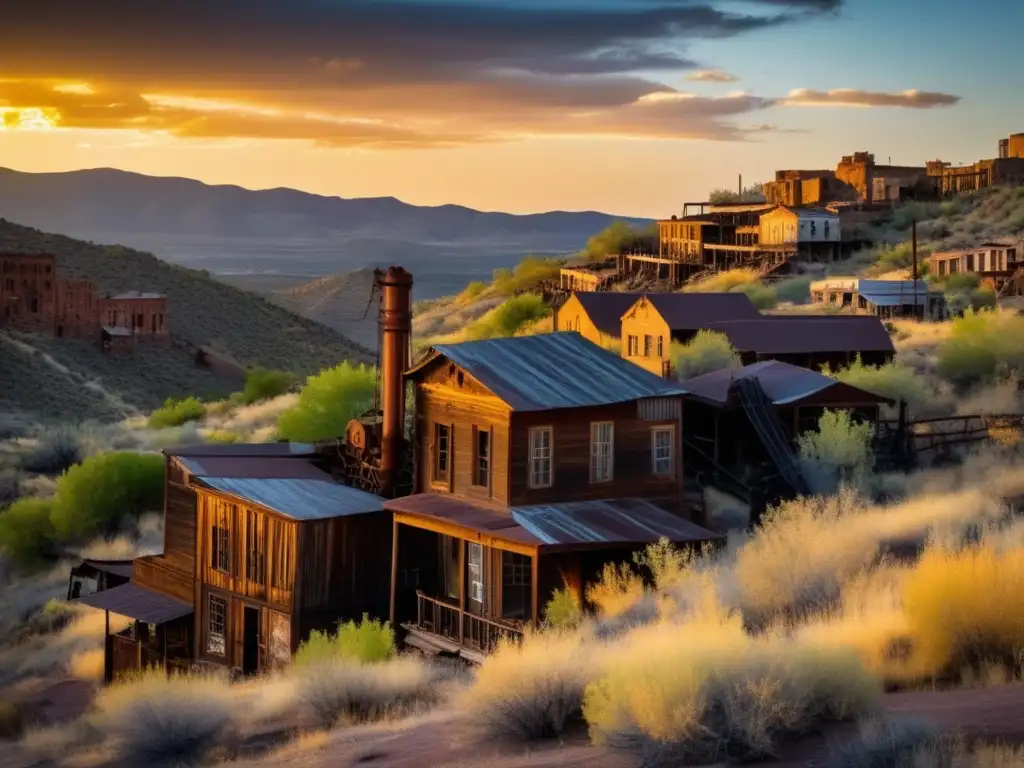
{"x": 114, "y": 401}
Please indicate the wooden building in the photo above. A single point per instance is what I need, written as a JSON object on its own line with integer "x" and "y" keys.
{"x": 597, "y": 317}
{"x": 882, "y": 298}
{"x": 997, "y": 264}
{"x": 539, "y": 459}
{"x": 812, "y": 234}
{"x": 655, "y": 320}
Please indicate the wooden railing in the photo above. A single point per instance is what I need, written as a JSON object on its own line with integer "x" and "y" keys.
{"x": 467, "y": 629}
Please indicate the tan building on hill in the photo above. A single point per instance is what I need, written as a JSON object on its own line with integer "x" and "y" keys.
{"x": 995, "y": 263}
{"x": 595, "y": 316}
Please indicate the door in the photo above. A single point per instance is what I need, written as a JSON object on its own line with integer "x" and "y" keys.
{"x": 251, "y": 641}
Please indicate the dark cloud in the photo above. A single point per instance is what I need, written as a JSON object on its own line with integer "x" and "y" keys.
{"x": 852, "y": 97}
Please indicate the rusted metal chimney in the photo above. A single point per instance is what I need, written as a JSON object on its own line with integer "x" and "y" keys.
{"x": 396, "y": 339}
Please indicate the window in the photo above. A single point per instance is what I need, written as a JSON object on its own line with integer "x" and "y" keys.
{"x": 515, "y": 586}
{"x": 255, "y": 557}
{"x": 216, "y": 626}
{"x": 632, "y": 346}
{"x": 648, "y": 344}
{"x": 34, "y": 305}
{"x": 662, "y": 439}
{"x": 475, "y": 569}
{"x": 140, "y": 321}
{"x": 601, "y": 451}
{"x": 442, "y": 451}
{"x": 220, "y": 547}
{"x": 540, "y": 457}
{"x": 450, "y": 565}
{"x": 280, "y": 572}
{"x": 661, "y": 346}
{"x": 482, "y": 465}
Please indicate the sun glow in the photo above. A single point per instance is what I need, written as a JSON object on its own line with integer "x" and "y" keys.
{"x": 79, "y": 89}
{"x": 26, "y": 119}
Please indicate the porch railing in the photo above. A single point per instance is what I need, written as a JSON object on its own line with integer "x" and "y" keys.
{"x": 467, "y": 629}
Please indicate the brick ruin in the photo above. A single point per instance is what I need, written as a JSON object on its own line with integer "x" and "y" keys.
{"x": 36, "y": 299}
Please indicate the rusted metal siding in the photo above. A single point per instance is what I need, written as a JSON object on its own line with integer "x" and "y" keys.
{"x": 632, "y": 467}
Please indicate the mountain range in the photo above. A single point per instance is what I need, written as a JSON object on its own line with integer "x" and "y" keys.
{"x": 229, "y": 230}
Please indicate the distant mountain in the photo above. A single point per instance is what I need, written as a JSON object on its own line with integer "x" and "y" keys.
{"x": 228, "y": 229}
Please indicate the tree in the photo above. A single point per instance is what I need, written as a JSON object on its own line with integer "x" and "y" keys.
{"x": 328, "y": 402}
{"x": 614, "y": 239}
{"x": 752, "y": 194}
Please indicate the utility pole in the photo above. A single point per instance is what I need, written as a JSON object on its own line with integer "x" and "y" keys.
{"x": 913, "y": 246}
{"x": 739, "y": 189}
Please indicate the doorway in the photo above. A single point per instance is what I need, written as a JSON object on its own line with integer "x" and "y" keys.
{"x": 251, "y": 641}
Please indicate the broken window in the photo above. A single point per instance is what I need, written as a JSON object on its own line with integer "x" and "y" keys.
{"x": 216, "y": 631}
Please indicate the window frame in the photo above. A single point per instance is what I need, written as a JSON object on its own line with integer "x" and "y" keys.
{"x": 222, "y": 635}
{"x": 533, "y": 458}
{"x": 475, "y": 561}
{"x": 595, "y": 456}
{"x": 437, "y": 475}
{"x": 671, "y": 430}
{"x": 482, "y": 473}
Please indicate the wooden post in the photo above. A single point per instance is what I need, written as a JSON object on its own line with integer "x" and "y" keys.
{"x": 108, "y": 665}
{"x": 462, "y": 588}
{"x": 535, "y": 586}
{"x": 394, "y": 569}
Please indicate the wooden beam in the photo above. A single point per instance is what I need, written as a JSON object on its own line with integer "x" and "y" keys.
{"x": 462, "y": 587}
{"x": 461, "y": 532}
{"x": 394, "y": 569}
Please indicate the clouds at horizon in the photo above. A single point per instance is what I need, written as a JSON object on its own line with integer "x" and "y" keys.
{"x": 394, "y": 73}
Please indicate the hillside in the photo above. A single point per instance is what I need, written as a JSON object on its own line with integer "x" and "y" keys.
{"x": 201, "y": 310}
{"x": 337, "y": 301}
{"x": 227, "y": 229}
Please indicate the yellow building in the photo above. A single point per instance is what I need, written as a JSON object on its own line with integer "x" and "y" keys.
{"x": 597, "y": 316}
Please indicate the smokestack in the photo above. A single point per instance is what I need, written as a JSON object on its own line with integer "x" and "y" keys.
{"x": 396, "y": 338}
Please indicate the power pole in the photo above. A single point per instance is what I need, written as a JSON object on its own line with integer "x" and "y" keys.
{"x": 913, "y": 246}
{"x": 739, "y": 190}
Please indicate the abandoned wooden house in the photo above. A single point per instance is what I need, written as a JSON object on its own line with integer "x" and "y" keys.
{"x": 539, "y": 459}
{"x": 886, "y": 299}
{"x": 92, "y": 575}
{"x": 741, "y": 425}
{"x": 997, "y": 264}
{"x": 810, "y": 341}
{"x": 653, "y": 321}
{"x": 595, "y": 316}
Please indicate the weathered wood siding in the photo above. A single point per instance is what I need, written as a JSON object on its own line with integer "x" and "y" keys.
{"x": 449, "y": 396}
{"x": 632, "y": 474}
{"x": 642, "y": 321}
{"x": 571, "y": 316}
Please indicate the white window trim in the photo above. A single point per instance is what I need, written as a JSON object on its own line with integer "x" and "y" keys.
{"x": 670, "y": 428}
{"x": 594, "y": 425}
{"x": 474, "y": 548}
{"x": 550, "y": 457}
{"x": 213, "y": 648}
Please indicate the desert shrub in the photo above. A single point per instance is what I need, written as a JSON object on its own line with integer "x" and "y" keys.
{"x": 328, "y": 402}
{"x": 706, "y": 352}
{"x": 618, "y": 588}
{"x": 222, "y": 436}
{"x": 54, "y": 451}
{"x": 895, "y": 744}
{"x": 174, "y": 413}
{"x": 839, "y": 450}
{"x": 94, "y": 498}
{"x": 761, "y": 295}
{"x": 26, "y": 533}
{"x": 891, "y": 257}
{"x": 724, "y": 282}
{"x": 704, "y": 694}
{"x": 532, "y": 690}
{"x": 953, "y": 627}
{"x": 893, "y": 380}
{"x": 982, "y": 346}
{"x": 563, "y": 610}
{"x": 508, "y": 317}
{"x": 527, "y": 275}
{"x": 367, "y": 642}
{"x": 265, "y": 383}
{"x": 613, "y": 239}
{"x": 794, "y": 289}
{"x": 156, "y": 720}
{"x": 471, "y": 292}
{"x": 339, "y": 689}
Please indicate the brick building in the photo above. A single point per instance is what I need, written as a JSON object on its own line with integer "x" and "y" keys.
{"x": 28, "y": 297}
{"x": 142, "y": 314}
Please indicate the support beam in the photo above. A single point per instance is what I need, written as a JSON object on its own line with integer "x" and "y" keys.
{"x": 394, "y": 570}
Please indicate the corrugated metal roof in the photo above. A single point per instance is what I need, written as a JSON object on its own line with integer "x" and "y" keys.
{"x": 784, "y": 384}
{"x": 251, "y": 466}
{"x": 606, "y": 308}
{"x": 794, "y": 335}
{"x": 893, "y": 299}
{"x": 552, "y": 370}
{"x": 241, "y": 450}
{"x": 136, "y": 602}
{"x": 298, "y": 498}
{"x": 565, "y": 526}
{"x": 123, "y": 568}
{"x": 610, "y": 521}
{"x": 693, "y": 311}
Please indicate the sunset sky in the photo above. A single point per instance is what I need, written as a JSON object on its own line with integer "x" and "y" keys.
{"x": 626, "y": 106}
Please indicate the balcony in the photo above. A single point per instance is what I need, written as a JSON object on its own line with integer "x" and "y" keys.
{"x": 443, "y": 627}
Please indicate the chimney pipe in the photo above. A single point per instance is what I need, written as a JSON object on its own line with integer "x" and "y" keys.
{"x": 396, "y": 337}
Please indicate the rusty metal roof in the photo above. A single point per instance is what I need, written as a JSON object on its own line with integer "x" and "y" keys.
{"x": 564, "y": 526}
{"x": 693, "y": 311}
{"x": 137, "y": 602}
{"x": 606, "y": 308}
{"x": 551, "y": 371}
{"x": 298, "y": 498}
{"x": 782, "y": 335}
{"x": 784, "y": 384}
{"x": 251, "y": 466}
{"x": 243, "y": 450}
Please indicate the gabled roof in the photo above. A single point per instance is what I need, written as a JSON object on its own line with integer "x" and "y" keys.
{"x": 550, "y": 371}
{"x": 784, "y": 384}
{"x": 693, "y": 311}
{"x": 298, "y": 498}
{"x": 795, "y": 335}
{"x": 606, "y": 308}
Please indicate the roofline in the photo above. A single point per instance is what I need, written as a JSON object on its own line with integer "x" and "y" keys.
{"x": 200, "y": 480}
{"x": 430, "y": 523}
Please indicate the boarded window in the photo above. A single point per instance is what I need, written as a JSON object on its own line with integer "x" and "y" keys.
{"x": 255, "y": 553}
{"x": 475, "y": 571}
{"x": 442, "y": 451}
{"x": 602, "y": 450}
{"x": 216, "y": 627}
{"x": 540, "y": 457}
{"x": 482, "y": 463}
{"x": 662, "y": 439}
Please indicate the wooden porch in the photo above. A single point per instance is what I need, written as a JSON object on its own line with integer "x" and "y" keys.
{"x": 141, "y": 647}
{"x": 441, "y": 626}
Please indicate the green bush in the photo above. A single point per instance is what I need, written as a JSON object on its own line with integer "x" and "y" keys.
{"x": 177, "y": 412}
{"x": 706, "y": 352}
{"x": 471, "y": 292}
{"x": 982, "y": 346}
{"x": 368, "y": 642}
{"x": 613, "y": 239}
{"x": 563, "y": 609}
{"x": 794, "y": 289}
{"x": 893, "y": 380}
{"x": 265, "y": 383}
{"x": 508, "y": 317}
{"x": 26, "y": 533}
{"x": 95, "y": 497}
{"x": 328, "y": 402}
{"x": 526, "y": 276}
{"x": 761, "y": 295}
{"x": 839, "y": 451}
